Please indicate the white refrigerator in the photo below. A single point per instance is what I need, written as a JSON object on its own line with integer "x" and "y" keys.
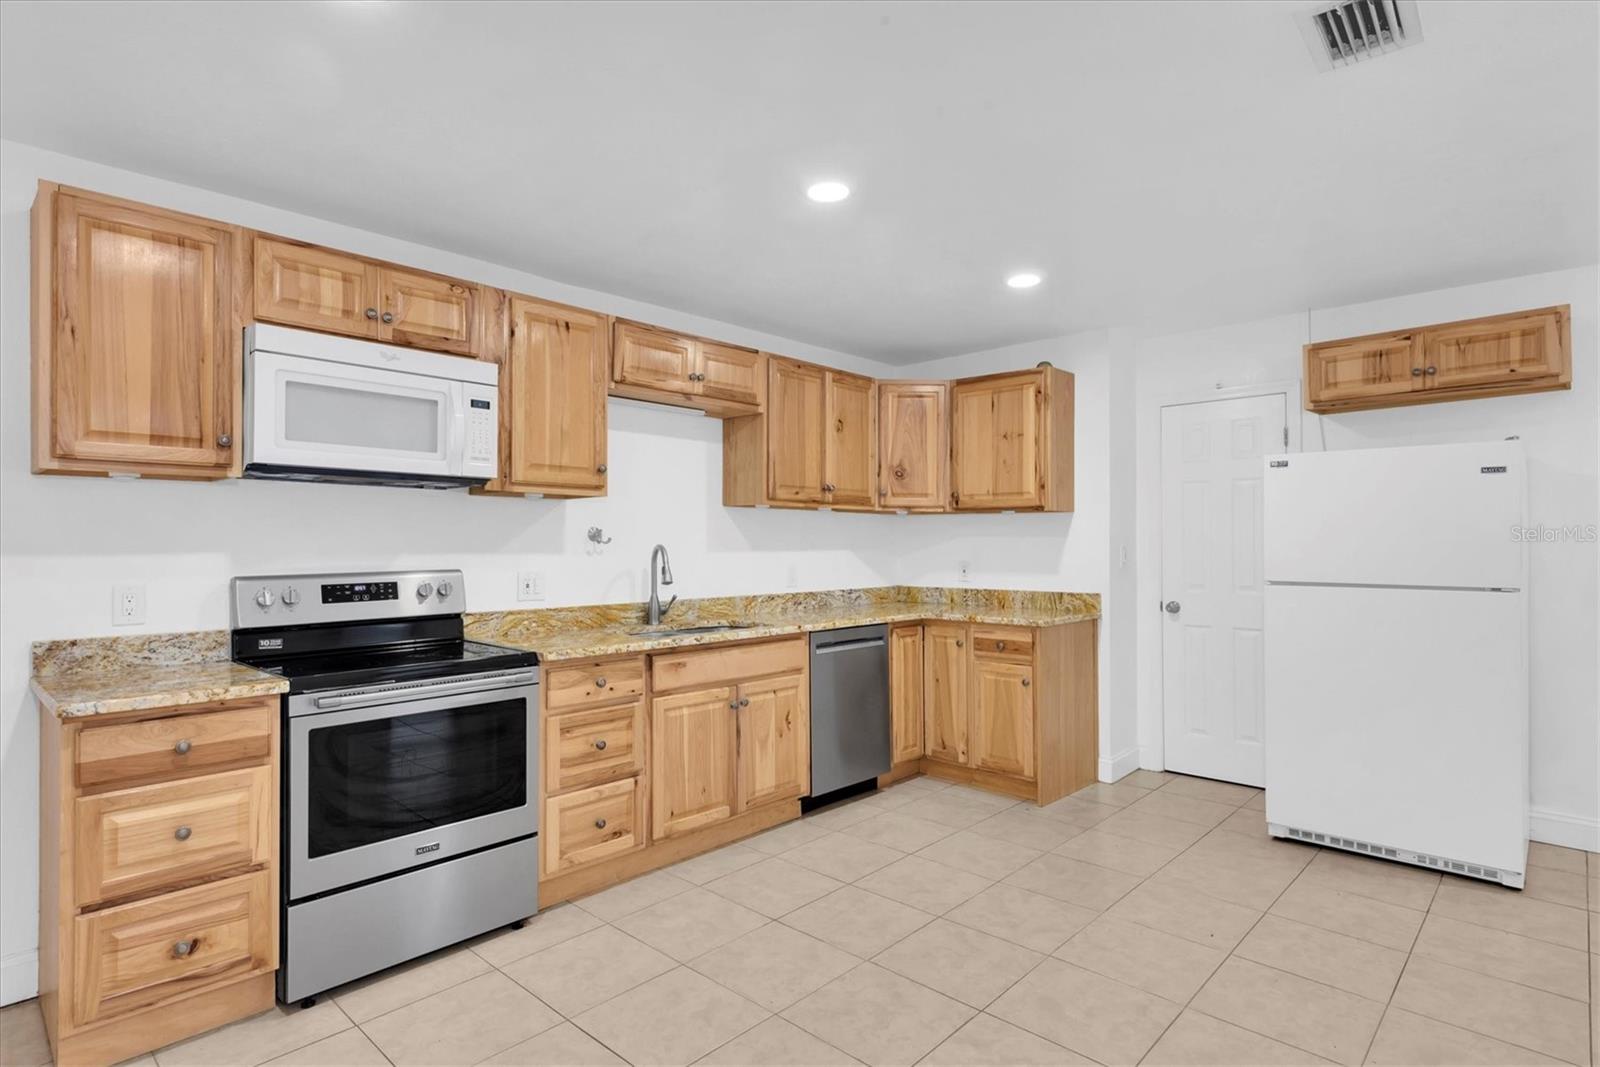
{"x": 1396, "y": 636}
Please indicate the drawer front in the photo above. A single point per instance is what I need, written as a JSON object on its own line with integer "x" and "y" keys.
{"x": 176, "y": 745}
{"x": 586, "y": 685}
{"x": 592, "y": 825}
{"x": 995, "y": 642}
{"x": 155, "y": 836}
{"x": 726, "y": 665}
{"x": 130, "y": 957}
{"x": 589, "y": 747}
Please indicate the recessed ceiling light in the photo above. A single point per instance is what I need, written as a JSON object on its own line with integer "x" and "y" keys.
{"x": 828, "y": 192}
{"x": 1024, "y": 280}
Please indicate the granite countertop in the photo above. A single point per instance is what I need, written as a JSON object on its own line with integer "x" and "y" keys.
{"x": 84, "y": 691}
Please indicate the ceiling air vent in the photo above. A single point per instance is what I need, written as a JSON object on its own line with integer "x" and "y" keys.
{"x": 1344, "y": 34}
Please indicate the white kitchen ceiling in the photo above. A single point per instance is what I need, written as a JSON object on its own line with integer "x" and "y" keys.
{"x": 1159, "y": 164}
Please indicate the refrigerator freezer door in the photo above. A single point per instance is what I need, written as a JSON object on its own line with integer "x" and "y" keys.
{"x": 1437, "y": 515}
{"x": 1399, "y": 717}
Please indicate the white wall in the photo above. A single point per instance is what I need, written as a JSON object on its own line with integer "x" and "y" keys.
{"x": 1561, "y": 432}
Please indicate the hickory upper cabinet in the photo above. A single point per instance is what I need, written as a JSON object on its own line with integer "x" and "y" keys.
{"x": 553, "y": 400}
{"x": 914, "y": 445}
{"x": 814, "y": 446}
{"x": 137, "y": 332}
{"x": 1011, "y": 441}
{"x": 321, "y": 289}
{"x": 671, "y": 368}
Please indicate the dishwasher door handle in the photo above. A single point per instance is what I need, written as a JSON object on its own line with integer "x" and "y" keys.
{"x": 848, "y": 646}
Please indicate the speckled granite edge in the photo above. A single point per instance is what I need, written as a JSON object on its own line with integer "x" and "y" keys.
{"x": 135, "y": 650}
{"x": 104, "y": 691}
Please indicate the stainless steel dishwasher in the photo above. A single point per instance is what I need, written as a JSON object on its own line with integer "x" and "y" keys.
{"x": 849, "y": 707}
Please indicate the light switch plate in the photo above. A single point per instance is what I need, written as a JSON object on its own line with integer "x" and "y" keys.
{"x": 127, "y": 605}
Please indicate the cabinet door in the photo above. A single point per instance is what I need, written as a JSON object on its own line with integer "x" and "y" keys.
{"x": 427, "y": 311}
{"x": 795, "y": 404}
{"x": 144, "y": 362}
{"x": 774, "y": 740}
{"x": 728, "y": 373}
{"x": 653, "y": 359}
{"x": 553, "y": 389}
{"x": 995, "y": 443}
{"x": 1362, "y": 369}
{"x": 1505, "y": 350}
{"x": 693, "y": 751}
{"x": 905, "y": 693}
{"x": 850, "y": 464}
{"x": 1002, "y": 716}
{"x": 300, "y": 285}
{"x": 945, "y": 691}
{"x": 913, "y": 444}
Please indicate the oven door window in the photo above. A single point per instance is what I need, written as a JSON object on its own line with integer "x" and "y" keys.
{"x": 384, "y": 778}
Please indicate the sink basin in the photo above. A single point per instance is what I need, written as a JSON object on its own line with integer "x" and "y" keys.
{"x": 678, "y": 631}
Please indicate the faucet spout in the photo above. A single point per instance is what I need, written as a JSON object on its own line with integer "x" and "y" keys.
{"x": 659, "y": 576}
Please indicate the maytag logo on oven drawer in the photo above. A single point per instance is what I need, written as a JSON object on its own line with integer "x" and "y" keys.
{"x": 421, "y": 849}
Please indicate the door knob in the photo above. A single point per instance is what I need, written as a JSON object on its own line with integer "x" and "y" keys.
{"x": 1172, "y": 607}
{"x": 744, "y": 702}
{"x": 388, "y": 316}
{"x": 182, "y": 948}
{"x": 599, "y": 824}
{"x": 182, "y": 747}
{"x": 1026, "y": 682}
{"x": 372, "y": 313}
{"x": 600, "y": 745}
{"x": 599, "y": 683}
{"x": 182, "y": 833}
{"x": 1416, "y": 372}
{"x": 600, "y": 469}
{"x": 1433, "y": 370}
{"x": 224, "y": 440}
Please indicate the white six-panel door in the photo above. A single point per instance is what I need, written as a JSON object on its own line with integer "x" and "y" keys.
{"x": 1211, "y": 578}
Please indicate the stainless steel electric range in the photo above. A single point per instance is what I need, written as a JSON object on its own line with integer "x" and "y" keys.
{"x": 410, "y": 769}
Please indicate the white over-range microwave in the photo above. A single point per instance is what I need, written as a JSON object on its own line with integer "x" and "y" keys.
{"x": 335, "y": 409}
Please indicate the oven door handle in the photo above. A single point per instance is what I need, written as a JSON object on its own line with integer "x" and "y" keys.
{"x": 397, "y": 694}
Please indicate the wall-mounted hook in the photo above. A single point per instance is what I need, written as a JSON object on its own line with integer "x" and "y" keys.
{"x": 598, "y": 536}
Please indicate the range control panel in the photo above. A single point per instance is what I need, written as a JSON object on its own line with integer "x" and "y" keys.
{"x": 292, "y": 599}
{"x": 359, "y": 592}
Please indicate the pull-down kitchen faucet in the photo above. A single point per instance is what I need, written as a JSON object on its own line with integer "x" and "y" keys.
{"x": 653, "y": 611}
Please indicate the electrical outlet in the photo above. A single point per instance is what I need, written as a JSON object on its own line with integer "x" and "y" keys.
{"x": 964, "y": 572}
{"x": 127, "y": 605}
{"x": 530, "y": 585}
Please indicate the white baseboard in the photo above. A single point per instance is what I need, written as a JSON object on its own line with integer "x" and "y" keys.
{"x": 1123, "y": 763}
{"x": 19, "y": 976}
{"x": 1559, "y": 828}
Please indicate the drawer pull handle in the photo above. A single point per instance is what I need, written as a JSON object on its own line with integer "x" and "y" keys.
{"x": 599, "y": 683}
{"x": 182, "y": 948}
{"x": 600, "y": 744}
{"x": 182, "y": 833}
{"x": 182, "y": 747}
{"x": 599, "y": 824}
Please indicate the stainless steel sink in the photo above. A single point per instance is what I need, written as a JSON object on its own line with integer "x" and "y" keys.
{"x": 679, "y": 631}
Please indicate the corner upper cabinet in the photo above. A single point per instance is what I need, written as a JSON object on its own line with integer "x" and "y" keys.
{"x": 670, "y": 368}
{"x": 1011, "y": 444}
{"x": 914, "y": 446}
{"x": 1500, "y": 355}
{"x": 813, "y": 446}
{"x": 136, "y": 338}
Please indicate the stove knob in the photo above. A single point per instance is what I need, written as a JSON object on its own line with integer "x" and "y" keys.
{"x": 291, "y": 596}
{"x": 264, "y": 598}
{"x": 424, "y": 591}
{"x": 445, "y": 589}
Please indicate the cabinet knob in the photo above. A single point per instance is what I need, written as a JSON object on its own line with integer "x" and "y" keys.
{"x": 182, "y": 948}
{"x": 600, "y": 744}
{"x": 744, "y": 702}
{"x": 600, "y": 683}
{"x": 1026, "y": 682}
{"x": 599, "y": 824}
{"x": 1000, "y": 646}
{"x": 733, "y": 703}
{"x": 1433, "y": 370}
{"x": 224, "y": 441}
{"x": 182, "y": 747}
{"x": 1416, "y": 372}
{"x": 960, "y": 643}
{"x": 827, "y": 486}
{"x": 600, "y": 469}
{"x": 182, "y": 833}
{"x": 372, "y": 313}
{"x": 387, "y": 316}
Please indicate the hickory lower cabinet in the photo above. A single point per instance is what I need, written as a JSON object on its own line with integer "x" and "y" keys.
{"x": 648, "y": 760}
{"x": 158, "y": 914}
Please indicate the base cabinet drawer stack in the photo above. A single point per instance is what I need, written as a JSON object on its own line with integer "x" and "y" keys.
{"x": 159, "y": 900}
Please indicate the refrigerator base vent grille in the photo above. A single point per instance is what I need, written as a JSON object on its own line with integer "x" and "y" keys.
{"x": 1422, "y": 859}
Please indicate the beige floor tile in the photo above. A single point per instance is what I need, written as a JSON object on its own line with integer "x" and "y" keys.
{"x": 1169, "y": 805}
{"x": 636, "y": 895}
{"x": 1199, "y": 1039}
{"x": 559, "y": 1046}
{"x": 981, "y": 797}
{"x": 1594, "y": 863}
{"x": 1147, "y": 779}
{"x": 1407, "y": 1040}
{"x": 672, "y": 1019}
{"x": 589, "y": 969}
{"x": 958, "y": 961}
{"x": 22, "y": 1038}
{"x": 1152, "y": 960}
{"x": 1022, "y": 917}
{"x": 773, "y": 887}
{"x": 781, "y": 839}
{"x": 1024, "y": 827}
{"x": 716, "y": 863}
{"x": 1394, "y": 883}
{"x": 1194, "y": 916}
{"x": 1119, "y": 795}
{"x": 879, "y": 1017}
{"x": 147, "y": 1060}
{"x": 837, "y": 816}
{"x": 1257, "y": 802}
{"x": 1594, "y": 893}
{"x": 548, "y": 928}
{"x": 953, "y": 809}
{"x": 986, "y": 857}
{"x": 258, "y": 1038}
{"x": 691, "y": 924}
{"x": 1330, "y": 1022}
{"x": 1251, "y": 821}
{"x": 861, "y": 923}
{"x": 775, "y": 965}
{"x": 898, "y": 830}
{"x": 845, "y": 857}
{"x": 777, "y": 1042}
{"x": 1506, "y": 909}
{"x": 1074, "y": 881}
{"x": 1558, "y": 887}
{"x": 462, "y": 1024}
{"x": 924, "y": 884}
{"x": 348, "y": 1048}
{"x": 1347, "y": 963}
{"x": 1502, "y": 954}
{"x": 1571, "y": 860}
{"x": 399, "y": 986}
{"x": 889, "y": 799}
{"x": 1350, "y": 913}
{"x": 1074, "y": 811}
{"x": 1214, "y": 791}
{"x": 1086, "y": 1012}
{"x": 988, "y": 1040}
{"x": 1155, "y": 829}
{"x": 1252, "y": 871}
{"x": 1505, "y": 1010}
{"x": 1126, "y": 854}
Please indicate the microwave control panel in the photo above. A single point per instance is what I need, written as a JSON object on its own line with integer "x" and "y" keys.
{"x": 482, "y": 430}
